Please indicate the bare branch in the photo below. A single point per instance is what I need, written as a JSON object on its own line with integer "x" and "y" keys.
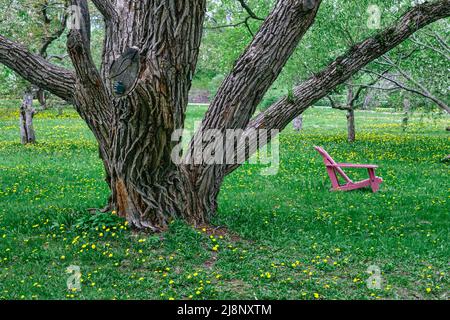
{"x": 223, "y": 26}
{"x": 79, "y": 46}
{"x": 249, "y": 11}
{"x": 245, "y": 22}
{"x": 334, "y": 105}
{"x": 398, "y": 83}
{"x": 420, "y": 89}
{"x": 363, "y": 87}
{"x": 441, "y": 41}
{"x": 91, "y": 100}
{"x": 379, "y": 88}
{"x": 443, "y": 51}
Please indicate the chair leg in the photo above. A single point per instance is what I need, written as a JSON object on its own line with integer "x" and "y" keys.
{"x": 333, "y": 178}
{"x": 375, "y": 187}
{"x": 374, "y": 184}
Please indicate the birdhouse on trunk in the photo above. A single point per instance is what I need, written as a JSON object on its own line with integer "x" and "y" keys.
{"x": 124, "y": 72}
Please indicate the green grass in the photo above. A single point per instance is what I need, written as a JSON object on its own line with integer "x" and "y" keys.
{"x": 284, "y": 236}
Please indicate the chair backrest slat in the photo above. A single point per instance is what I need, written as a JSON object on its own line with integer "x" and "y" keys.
{"x": 329, "y": 160}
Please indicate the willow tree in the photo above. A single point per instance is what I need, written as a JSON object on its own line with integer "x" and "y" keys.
{"x": 138, "y": 97}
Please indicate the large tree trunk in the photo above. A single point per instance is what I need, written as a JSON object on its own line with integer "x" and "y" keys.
{"x": 134, "y": 113}
{"x": 26, "y": 115}
{"x": 153, "y": 204}
{"x": 138, "y": 99}
{"x": 148, "y": 188}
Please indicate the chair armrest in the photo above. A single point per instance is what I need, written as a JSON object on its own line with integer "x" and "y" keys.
{"x": 350, "y": 165}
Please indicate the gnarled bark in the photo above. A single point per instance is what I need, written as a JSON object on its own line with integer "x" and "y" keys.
{"x": 134, "y": 131}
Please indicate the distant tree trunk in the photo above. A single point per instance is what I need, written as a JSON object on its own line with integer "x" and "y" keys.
{"x": 367, "y": 100}
{"x": 298, "y": 123}
{"x": 60, "y": 110}
{"x": 406, "y": 113}
{"x": 27, "y": 112}
{"x": 351, "y": 127}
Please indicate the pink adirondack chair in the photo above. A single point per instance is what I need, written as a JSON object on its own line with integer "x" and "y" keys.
{"x": 334, "y": 169}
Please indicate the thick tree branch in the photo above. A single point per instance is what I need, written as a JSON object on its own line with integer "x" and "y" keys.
{"x": 260, "y": 65}
{"x": 91, "y": 97}
{"x": 107, "y": 9}
{"x": 279, "y": 115}
{"x": 251, "y": 77}
{"x": 79, "y": 46}
{"x": 37, "y": 70}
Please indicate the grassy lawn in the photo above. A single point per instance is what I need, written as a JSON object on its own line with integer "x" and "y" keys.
{"x": 279, "y": 237}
